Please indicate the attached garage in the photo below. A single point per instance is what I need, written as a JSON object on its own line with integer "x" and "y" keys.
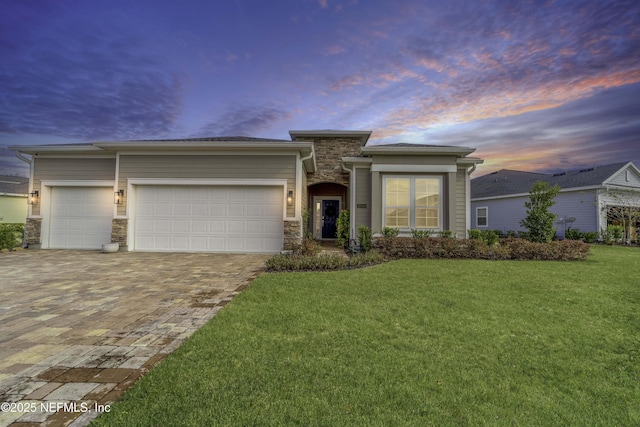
{"x": 80, "y": 217}
{"x": 203, "y": 218}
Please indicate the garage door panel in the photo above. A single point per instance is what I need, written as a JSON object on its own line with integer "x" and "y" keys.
{"x": 80, "y": 217}
{"x": 209, "y": 218}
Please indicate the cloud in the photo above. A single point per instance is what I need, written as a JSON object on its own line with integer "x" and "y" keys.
{"x": 593, "y": 131}
{"x": 244, "y": 121}
{"x": 471, "y": 61}
{"x": 323, "y": 3}
{"x": 87, "y": 82}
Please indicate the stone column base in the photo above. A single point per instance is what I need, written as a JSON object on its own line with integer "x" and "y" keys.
{"x": 32, "y": 231}
{"x": 292, "y": 234}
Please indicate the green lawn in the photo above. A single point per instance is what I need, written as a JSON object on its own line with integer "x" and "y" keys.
{"x": 413, "y": 342}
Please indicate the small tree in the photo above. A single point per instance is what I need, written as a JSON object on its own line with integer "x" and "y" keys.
{"x": 342, "y": 229}
{"x": 539, "y": 220}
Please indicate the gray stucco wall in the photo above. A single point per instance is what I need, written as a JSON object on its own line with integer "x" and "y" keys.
{"x": 505, "y": 214}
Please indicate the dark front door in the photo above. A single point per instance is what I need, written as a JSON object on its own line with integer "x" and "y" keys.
{"x": 329, "y": 217}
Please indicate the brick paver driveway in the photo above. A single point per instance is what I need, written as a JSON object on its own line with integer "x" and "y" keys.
{"x": 79, "y": 327}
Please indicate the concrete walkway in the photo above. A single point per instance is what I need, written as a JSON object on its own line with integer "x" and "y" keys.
{"x": 77, "y": 328}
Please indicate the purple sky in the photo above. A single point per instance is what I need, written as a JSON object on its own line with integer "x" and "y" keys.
{"x": 535, "y": 85}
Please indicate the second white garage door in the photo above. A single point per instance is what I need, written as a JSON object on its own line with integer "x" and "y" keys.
{"x": 209, "y": 219}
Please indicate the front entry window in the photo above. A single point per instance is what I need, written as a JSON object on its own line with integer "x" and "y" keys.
{"x": 412, "y": 202}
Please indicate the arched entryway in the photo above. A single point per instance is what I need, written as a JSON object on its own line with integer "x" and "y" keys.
{"x": 326, "y": 200}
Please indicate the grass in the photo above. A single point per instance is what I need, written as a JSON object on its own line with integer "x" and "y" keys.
{"x": 412, "y": 342}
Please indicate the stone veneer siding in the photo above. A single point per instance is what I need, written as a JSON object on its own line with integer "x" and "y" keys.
{"x": 32, "y": 230}
{"x": 119, "y": 231}
{"x": 329, "y": 154}
{"x": 292, "y": 234}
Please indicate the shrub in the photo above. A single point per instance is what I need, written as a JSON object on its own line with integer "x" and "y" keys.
{"x": 615, "y": 231}
{"x": 330, "y": 261}
{"x": 11, "y": 235}
{"x": 447, "y": 234}
{"x": 342, "y": 232}
{"x": 573, "y": 234}
{"x": 589, "y": 236}
{"x": 511, "y": 233}
{"x": 511, "y": 248}
{"x": 364, "y": 238}
{"x": 539, "y": 221}
{"x": 490, "y": 237}
{"x": 421, "y": 234}
{"x": 563, "y": 250}
{"x": 475, "y": 234}
{"x": 306, "y": 247}
{"x": 390, "y": 232}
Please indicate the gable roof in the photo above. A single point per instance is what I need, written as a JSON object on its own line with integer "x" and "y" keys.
{"x": 14, "y": 185}
{"x": 508, "y": 182}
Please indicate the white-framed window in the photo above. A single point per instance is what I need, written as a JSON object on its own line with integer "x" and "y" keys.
{"x": 482, "y": 216}
{"x": 412, "y": 202}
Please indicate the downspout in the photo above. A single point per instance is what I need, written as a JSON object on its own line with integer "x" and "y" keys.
{"x": 352, "y": 200}
{"x": 30, "y": 163}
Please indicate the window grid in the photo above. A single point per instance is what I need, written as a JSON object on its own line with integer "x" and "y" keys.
{"x": 412, "y": 202}
{"x": 482, "y": 217}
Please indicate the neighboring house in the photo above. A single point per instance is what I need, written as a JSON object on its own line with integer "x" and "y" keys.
{"x": 588, "y": 200}
{"x": 13, "y": 199}
{"x": 239, "y": 194}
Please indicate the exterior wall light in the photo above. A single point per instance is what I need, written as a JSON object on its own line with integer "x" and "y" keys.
{"x": 33, "y": 197}
{"x": 290, "y": 198}
{"x": 118, "y": 196}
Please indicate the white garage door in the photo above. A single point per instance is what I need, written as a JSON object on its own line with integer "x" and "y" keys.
{"x": 80, "y": 217}
{"x": 209, "y": 219}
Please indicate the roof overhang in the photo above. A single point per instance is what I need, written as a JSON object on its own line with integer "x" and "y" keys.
{"x": 362, "y": 135}
{"x": 357, "y": 160}
{"x": 419, "y": 150}
{"x": 34, "y": 150}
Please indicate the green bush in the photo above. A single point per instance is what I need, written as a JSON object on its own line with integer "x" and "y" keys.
{"x": 511, "y": 248}
{"x": 342, "y": 232}
{"x": 490, "y": 237}
{"x": 573, "y": 234}
{"x": 324, "y": 262}
{"x": 447, "y": 234}
{"x": 421, "y": 234}
{"x": 390, "y": 232}
{"x": 11, "y": 235}
{"x": 615, "y": 231}
{"x": 364, "y": 238}
{"x": 589, "y": 236}
{"x": 475, "y": 234}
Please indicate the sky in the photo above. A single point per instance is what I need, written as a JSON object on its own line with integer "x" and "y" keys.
{"x": 531, "y": 85}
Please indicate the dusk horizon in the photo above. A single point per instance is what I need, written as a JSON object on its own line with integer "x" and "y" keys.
{"x": 537, "y": 86}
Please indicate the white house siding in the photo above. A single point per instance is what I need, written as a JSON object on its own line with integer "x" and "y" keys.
{"x": 505, "y": 214}
{"x": 208, "y": 166}
{"x": 73, "y": 169}
{"x": 362, "y": 209}
{"x": 626, "y": 178}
